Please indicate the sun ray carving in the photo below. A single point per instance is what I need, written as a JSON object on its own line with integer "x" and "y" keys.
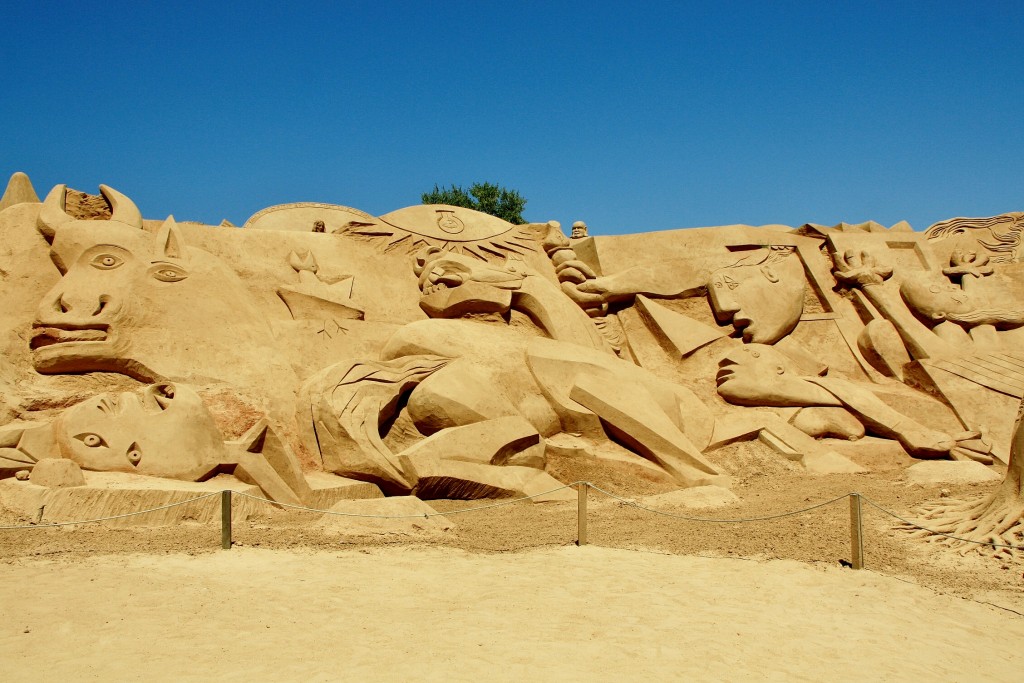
{"x": 452, "y": 228}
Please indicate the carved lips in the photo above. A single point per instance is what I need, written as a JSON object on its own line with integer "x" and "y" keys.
{"x": 71, "y": 347}
{"x": 726, "y": 370}
{"x": 49, "y": 335}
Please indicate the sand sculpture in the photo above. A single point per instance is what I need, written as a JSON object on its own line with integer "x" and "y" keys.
{"x": 439, "y": 352}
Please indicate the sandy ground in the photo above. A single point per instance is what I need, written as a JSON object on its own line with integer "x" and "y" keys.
{"x": 421, "y": 613}
{"x": 505, "y": 595}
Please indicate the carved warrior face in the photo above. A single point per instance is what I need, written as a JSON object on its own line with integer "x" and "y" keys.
{"x": 763, "y": 296}
{"x": 167, "y": 432}
{"x": 454, "y": 285}
{"x": 132, "y": 302}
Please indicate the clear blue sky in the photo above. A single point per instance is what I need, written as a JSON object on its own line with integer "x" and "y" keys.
{"x": 661, "y": 116}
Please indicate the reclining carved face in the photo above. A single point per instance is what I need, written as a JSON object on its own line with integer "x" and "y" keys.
{"x": 757, "y": 375}
{"x": 937, "y": 300}
{"x": 454, "y": 285}
{"x": 132, "y": 302}
{"x": 167, "y": 432}
{"x": 763, "y": 296}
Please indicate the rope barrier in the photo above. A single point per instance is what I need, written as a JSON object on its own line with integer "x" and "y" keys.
{"x": 625, "y": 501}
{"x": 107, "y": 519}
{"x": 425, "y": 515}
{"x": 939, "y": 533}
{"x": 739, "y": 520}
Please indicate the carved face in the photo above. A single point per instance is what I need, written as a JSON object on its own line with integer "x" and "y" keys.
{"x": 110, "y": 271}
{"x": 763, "y": 300}
{"x": 167, "y": 432}
{"x": 935, "y": 299}
{"x": 454, "y": 285}
{"x": 751, "y": 375}
{"x": 140, "y": 304}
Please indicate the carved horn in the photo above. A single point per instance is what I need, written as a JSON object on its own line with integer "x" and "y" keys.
{"x": 52, "y": 215}
{"x": 123, "y": 210}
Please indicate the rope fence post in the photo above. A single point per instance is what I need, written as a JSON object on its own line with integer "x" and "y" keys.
{"x": 856, "y": 533}
{"x": 581, "y": 509}
{"x": 225, "y": 519}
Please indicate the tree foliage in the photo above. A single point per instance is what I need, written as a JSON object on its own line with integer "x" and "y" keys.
{"x": 486, "y": 197}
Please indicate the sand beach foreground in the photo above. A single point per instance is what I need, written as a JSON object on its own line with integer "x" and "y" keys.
{"x": 427, "y": 613}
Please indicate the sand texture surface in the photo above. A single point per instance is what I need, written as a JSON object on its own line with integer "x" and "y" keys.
{"x": 421, "y": 613}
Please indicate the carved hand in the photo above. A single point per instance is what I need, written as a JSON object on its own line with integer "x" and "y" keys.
{"x": 971, "y": 263}
{"x": 861, "y": 269}
{"x": 575, "y": 271}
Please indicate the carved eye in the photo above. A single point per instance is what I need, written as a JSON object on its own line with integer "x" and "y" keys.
{"x": 134, "y": 454}
{"x": 106, "y": 261}
{"x": 168, "y": 272}
{"x": 91, "y": 440}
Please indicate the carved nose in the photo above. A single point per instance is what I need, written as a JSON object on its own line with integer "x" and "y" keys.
{"x": 723, "y": 303}
{"x": 65, "y": 304}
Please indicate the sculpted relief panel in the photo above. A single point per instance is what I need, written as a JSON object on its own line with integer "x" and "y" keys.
{"x": 439, "y": 352}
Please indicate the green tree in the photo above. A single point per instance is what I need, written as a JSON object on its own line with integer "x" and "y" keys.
{"x": 486, "y": 197}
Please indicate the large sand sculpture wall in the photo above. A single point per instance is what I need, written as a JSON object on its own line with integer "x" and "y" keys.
{"x": 320, "y": 353}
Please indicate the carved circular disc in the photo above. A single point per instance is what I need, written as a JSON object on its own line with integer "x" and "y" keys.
{"x": 447, "y": 223}
{"x": 301, "y": 216}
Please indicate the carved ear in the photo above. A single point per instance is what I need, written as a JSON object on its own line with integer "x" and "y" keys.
{"x": 769, "y": 274}
{"x": 253, "y": 439}
{"x": 261, "y": 444}
{"x": 169, "y": 242}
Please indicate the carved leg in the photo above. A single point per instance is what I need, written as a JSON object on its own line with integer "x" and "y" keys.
{"x": 632, "y": 415}
{"x": 782, "y": 437}
{"x": 456, "y": 396}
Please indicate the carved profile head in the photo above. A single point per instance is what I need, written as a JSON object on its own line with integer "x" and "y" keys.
{"x": 166, "y": 431}
{"x": 756, "y": 374}
{"x": 762, "y": 295}
{"x": 937, "y": 299}
{"x": 134, "y": 302}
{"x": 454, "y": 285}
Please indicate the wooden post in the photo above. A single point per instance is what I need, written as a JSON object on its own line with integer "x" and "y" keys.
{"x": 225, "y": 519}
{"x": 581, "y": 518}
{"x": 856, "y": 533}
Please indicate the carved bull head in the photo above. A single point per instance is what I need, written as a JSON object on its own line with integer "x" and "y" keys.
{"x": 133, "y": 302}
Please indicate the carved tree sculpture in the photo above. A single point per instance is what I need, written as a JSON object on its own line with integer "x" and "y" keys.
{"x": 991, "y": 523}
